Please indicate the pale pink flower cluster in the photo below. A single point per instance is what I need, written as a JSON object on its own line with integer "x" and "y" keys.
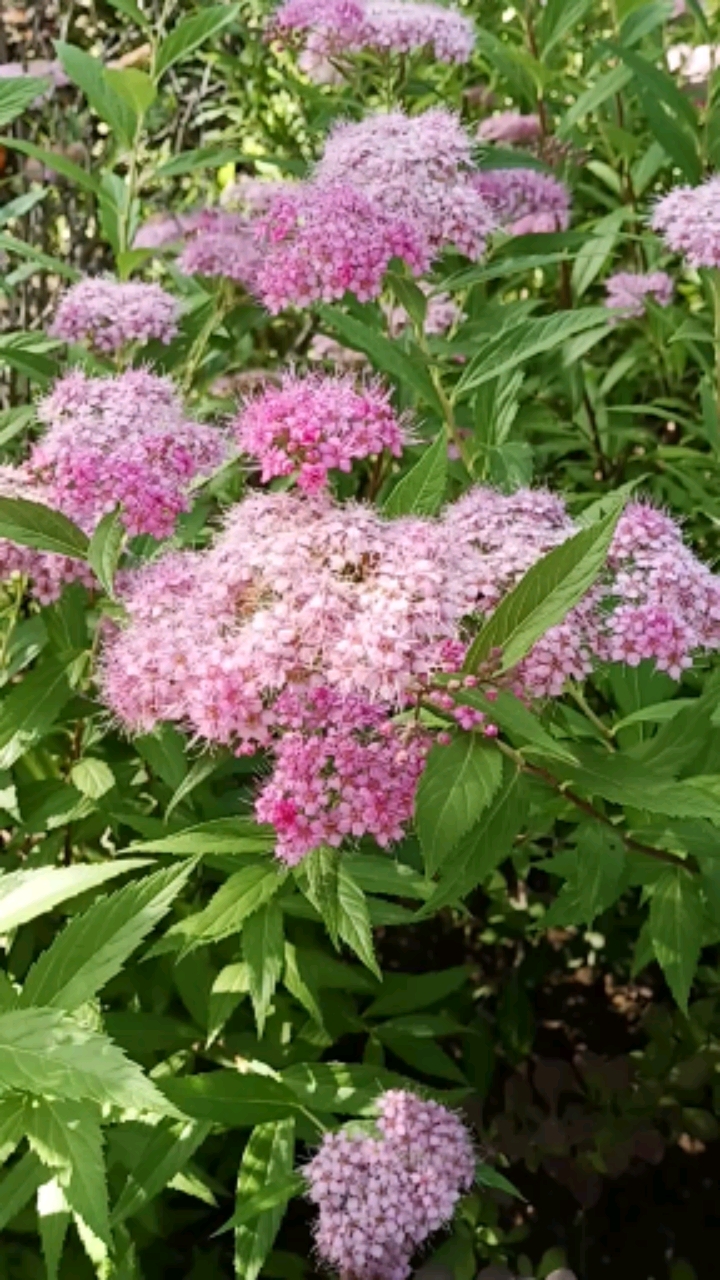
{"x": 346, "y": 27}
{"x": 221, "y": 243}
{"x": 688, "y": 219}
{"x": 121, "y": 441}
{"x": 320, "y": 240}
{"x": 694, "y": 64}
{"x": 628, "y": 290}
{"x": 249, "y": 195}
{"x": 310, "y": 426}
{"x": 342, "y": 770}
{"x": 510, "y": 126}
{"x": 380, "y": 1198}
{"x": 415, "y": 167}
{"x": 110, "y": 315}
{"x": 525, "y": 201}
{"x": 165, "y": 229}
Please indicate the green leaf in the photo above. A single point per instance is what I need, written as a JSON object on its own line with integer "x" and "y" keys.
{"x": 421, "y": 491}
{"x": 278, "y": 1193}
{"x": 676, "y": 929}
{"x": 486, "y": 1176}
{"x": 12, "y": 1127}
{"x": 354, "y": 920}
{"x": 135, "y": 87}
{"x": 302, "y": 983}
{"x": 105, "y": 549}
{"x": 232, "y": 1099}
{"x": 133, "y": 11}
{"x": 54, "y": 1218}
{"x": 229, "y": 988}
{"x": 10, "y": 244}
{"x": 67, "y": 1137}
{"x": 680, "y": 741}
{"x": 607, "y": 86}
{"x": 263, "y": 948}
{"x": 34, "y": 525}
{"x": 17, "y": 93}
{"x": 267, "y": 1159}
{"x": 319, "y": 876}
{"x": 89, "y": 75}
{"x": 544, "y": 596}
{"x": 93, "y": 778}
{"x": 420, "y": 1053}
{"x": 53, "y": 160}
{"x": 191, "y": 32}
{"x": 18, "y": 1186}
{"x": 31, "y": 708}
{"x": 166, "y": 1154}
{"x": 241, "y": 895}
{"x": 221, "y": 835}
{"x": 385, "y": 355}
{"x": 600, "y": 865}
{"x": 558, "y": 20}
{"x": 523, "y": 341}
{"x": 408, "y": 992}
{"x": 340, "y": 1088}
{"x": 94, "y": 946}
{"x": 483, "y": 849}
{"x": 24, "y": 895}
{"x": 200, "y": 770}
{"x": 30, "y": 355}
{"x": 458, "y": 783}
{"x": 380, "y": 874}
{"x": 43, "y": 1052}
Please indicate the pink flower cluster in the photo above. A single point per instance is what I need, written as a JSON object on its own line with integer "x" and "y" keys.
{"x": 342, "y": 770}
{"x": 509, "y": 126}
{"x": 525, "y": 201}
{"x": 221, "y": 244}
{"x": 415, "y": 167}
{"x": 320, "y": 240}
{"x": 380, "y": 1198}
{"x": 628, "y": 290}
{"x": 346, "y": 27}
{"x": 313, "y": 425}
{"x": 688, "y": 219}
{"x": 110, "y": 315}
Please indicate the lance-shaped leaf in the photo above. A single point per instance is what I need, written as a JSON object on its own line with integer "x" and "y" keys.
{"x": 267, "y": 1160}
{"x": 459, "y": 782}
{"x": 34, "y": 525}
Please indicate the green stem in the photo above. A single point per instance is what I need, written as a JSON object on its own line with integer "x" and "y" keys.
{"x": 15, "y": 608}
{"x": 579, "y": 697}
{"x": 218, "y": 311}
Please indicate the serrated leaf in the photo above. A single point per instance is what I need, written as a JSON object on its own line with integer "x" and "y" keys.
{"x": 44, "y": 1052}
{"x": 27, "y": 894}
{"x": 421, "y": 491}
{"x": 600, "y": 866}
{"x": 302, "y": 984}
{"x": 523, "y": 342}
{"x": 263, "y": 942}
{"x": 422, "y": 1054}
{"x": 386, "y": 356}
{"x": 340, "y": 1088}
{"x": 231, "y": 1099}
{"x": 17, "y": 93}
{"x": 221, "y": 835}
{"x": 354, "y": 920}
{"x": 199, "y": 771}
{"x": 33, "y": 525}
{"x": 105, "y": 548}
{"x": 31, "y": 708}
{"x": 165, "y": 1156}
{"x": 277, "y": 1193}
{"x": 192, "y": 32}
{"x": 229, "y": 988}
{"x": 12, "y": 1129}
{"x": 319, "y": 877}
{"x": 67, "y": 1137}
{"x": 54, "y": 1218}
{"x": 94, "y": 946}
{"x": 458, "y": 783}
{"x": 18, "y": 1186}
{"x": 240, "y": 896}
{"x": 676, "y": 929}
{"x": 268, "y": 1158}
{"x": 408, "y": 992}
{"x": 92, "y": 777}
{"x": 544, "y": 596}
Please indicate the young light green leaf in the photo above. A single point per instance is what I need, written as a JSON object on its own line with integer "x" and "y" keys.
{"x": 459, "y": 782}
{"x": 354, "y": 919}
{"x": 67, "y": 1137}
{"x": 44, "y": 1052}
{"x": 421, "y": 490}
{"x": 24, "y": 895}
{"x": 229, "y": 988}
{"x": 263, "y": 942}
{"x": 89, "y": 75}
{"x": 135, "y": 87}
{"x": 93, "y": 778}
{"x": 240, "y": 896}
{"x": 166, "y": 1154}
{"x": 55, "y": 161}
{"x": 192, "y": 32}
{"x": 221, "y": 835}
{"x": 54, "y": 1218}
{"x": 105, "y": 549}
{"x": 34, "y": 525}
{"x": 267, "y": 1159}
{"x": 19, "y": 1185}
{"x": 94, "y": 946}
{"x": 545, "y": 595}
{"x": 676, "y": 929}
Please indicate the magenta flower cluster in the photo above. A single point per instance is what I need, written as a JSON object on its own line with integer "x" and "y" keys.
{"x": 688, "y": 219}
{"x": 109, "y": 315}
{"x": 321, "y": 240}
{"x": 220, "y": 243}
{"x": 346, "y": 27}
{"x": 627, "y": 291}
{"x": 525, "y": 201}
{"x": 310, "y": 426}
{"x": 380, "y": 1198}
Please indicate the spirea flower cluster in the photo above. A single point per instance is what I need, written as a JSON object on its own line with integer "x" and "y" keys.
{"x": 300, "y": 596}
{"x": 688, "y": 219}
{"x": 221, "y": 243}
{"x": 525, "y": 201}
{"x": 627, "y": 291}
{"x": 380, "y": 1198}
{"x": 110, "y": 315}
{"x": 346, "y": 27}
{"x": 510, "y": 126}
{"x": 311, "y": 426}
{"x": 322, "y": 239}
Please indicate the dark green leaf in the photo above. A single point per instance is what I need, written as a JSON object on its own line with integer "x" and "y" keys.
{"x": 263, "y": 949}
{"x": 421, "y": 490}
{"x": 105, "y": 548}
{"x": 676, "y": 929}
{"x": 459, "y": 782}
{"x": 231, "y": 1099}
{"x": 34, "y": 525}
{"x": 267, "y": 1160}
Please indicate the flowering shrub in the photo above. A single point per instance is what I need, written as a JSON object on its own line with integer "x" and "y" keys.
{"x": 359, "y": 614}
